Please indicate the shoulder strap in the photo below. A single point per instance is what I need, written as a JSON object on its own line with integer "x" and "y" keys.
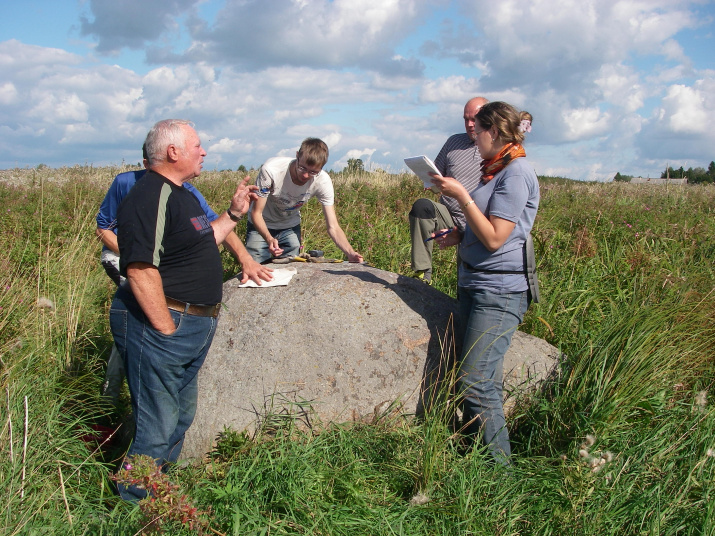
{"x": 529, "y": 270}
{"x": 530, "y": 266}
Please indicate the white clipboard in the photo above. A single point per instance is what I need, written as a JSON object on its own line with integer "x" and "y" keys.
{"x": 422, "y": 167}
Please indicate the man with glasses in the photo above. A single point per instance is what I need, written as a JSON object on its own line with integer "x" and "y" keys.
{"x": 284, "y": 185}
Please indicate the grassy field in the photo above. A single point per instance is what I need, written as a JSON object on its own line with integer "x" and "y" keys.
{"x": 622, "y": 442}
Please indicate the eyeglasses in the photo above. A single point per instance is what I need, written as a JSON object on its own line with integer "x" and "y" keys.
{"x": 303, "y": 170}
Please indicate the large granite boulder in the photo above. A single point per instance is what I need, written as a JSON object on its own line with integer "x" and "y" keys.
{"x": 344, "y": 339}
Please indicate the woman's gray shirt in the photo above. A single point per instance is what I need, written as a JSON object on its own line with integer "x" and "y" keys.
{"x": 513, "y": 195}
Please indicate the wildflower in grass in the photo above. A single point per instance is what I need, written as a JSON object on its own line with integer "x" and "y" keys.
{"x": 419, "y": 499}
{"x": 590, "y": 440}
{"x": 701, "y": 399}
{"x": 45, "y": 303}
{"x": 710, "y": 453}
{"x": 164, "y": 505}
{"x": 599, "y": 461}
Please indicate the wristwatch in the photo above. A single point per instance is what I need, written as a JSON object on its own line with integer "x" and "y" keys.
{"x": 231, "y": 215}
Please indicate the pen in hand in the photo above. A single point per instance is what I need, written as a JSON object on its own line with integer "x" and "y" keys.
{"x": 439, "y": 234}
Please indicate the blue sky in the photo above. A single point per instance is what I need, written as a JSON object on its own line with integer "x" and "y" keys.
{"x": 614, "y": 86}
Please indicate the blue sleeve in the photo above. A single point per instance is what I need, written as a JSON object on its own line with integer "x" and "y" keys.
{"x": 107, "y": 215}
{"x": 210, "y": 214}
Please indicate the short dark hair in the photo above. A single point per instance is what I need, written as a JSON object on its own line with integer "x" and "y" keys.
{"x": 314, "y": 152}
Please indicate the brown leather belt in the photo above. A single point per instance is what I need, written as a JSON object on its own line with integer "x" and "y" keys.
{"x": 193, "y": 308}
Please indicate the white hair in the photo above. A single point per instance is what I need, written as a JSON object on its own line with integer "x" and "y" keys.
{"x": 164, "y": 133}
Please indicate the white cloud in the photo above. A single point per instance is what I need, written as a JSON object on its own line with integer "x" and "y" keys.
{"x": 679, "y": 128}
{"x": 297, "y": 113}
{"x": 621, "y": 86}
{"x": 60, "y": 108}
{"x": 131, "y": 23}
{"x": 672, "y": 50}
{"x": 564, "y": 43}
{"x": 585, "y": 123}
{"x": 451, "y": 89}
{"x": 8, "y": 93}
{"x": 610, "y": 83}
{"x": 332, "y": 138}
{"x": 685, "y": 110}
{"x": 78, "y": 133}
{"x": 224, "y": 145}
{"x": 18, "y": 57}
{"x": 319, "y": 33}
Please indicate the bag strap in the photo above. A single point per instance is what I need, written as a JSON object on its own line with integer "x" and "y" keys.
{"x": 529, "y": 270}
{"x": 530, "y": 265}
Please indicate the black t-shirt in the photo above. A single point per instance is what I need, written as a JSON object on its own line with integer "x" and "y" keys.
{"x": 163, "y": 224}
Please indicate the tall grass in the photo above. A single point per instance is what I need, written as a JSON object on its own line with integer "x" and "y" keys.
{"x": 620, "y": 442}
{"x": 53, "y": 326}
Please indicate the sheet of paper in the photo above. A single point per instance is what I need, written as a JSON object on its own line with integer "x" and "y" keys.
{"x": 423, "y": 166}
{"x": 281, "y": 277}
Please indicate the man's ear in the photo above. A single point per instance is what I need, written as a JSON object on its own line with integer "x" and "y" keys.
{"x": 173, "y": 153}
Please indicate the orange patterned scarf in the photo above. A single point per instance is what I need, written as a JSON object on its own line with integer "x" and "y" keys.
{"x": 508, "y": 153}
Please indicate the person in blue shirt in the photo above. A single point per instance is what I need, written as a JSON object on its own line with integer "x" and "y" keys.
{"x": 107, "y": 234}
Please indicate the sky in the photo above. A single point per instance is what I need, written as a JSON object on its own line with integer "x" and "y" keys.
{"x": 622, "y": 86}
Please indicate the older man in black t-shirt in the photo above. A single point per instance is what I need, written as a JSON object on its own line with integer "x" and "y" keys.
{"x": 163, "y": 318}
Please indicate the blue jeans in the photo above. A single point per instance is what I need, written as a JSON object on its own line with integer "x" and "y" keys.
{"x": 288, "y": 240}
{"x": 162, "y": 375}
{"x": 488, "y": 322}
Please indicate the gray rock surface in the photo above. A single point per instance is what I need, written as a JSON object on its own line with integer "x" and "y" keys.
{"x": 345, "y": 339}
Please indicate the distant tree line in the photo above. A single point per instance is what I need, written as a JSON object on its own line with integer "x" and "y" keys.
{"x": 622, "y": 178}
{"x": 694, "y": 175}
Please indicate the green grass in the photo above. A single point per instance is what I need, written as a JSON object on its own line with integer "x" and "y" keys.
{"x": 628, "y": 290}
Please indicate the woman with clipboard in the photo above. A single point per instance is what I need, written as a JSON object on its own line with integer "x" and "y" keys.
{"x": 492, "y": 289}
